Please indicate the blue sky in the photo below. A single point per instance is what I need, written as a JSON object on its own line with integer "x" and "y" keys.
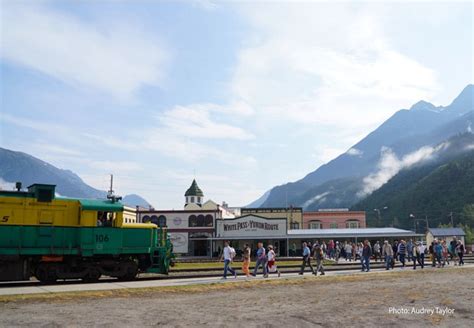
{"x": 241, "y": 95}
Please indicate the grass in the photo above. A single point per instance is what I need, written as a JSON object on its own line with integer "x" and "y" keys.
{"x": 387, "y": 277}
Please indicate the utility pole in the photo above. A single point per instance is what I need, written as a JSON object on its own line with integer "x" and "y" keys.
{"x": 111, "y": 190}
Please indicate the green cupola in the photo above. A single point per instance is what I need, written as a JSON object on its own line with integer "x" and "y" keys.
{"x": 194, "y": 194}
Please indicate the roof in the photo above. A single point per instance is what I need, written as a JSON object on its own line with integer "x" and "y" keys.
{"x": 194, "y": 190}
{"x": 447, "y": 232}
{"x": 100, "y": 205}
{"x": 350, "y": 233}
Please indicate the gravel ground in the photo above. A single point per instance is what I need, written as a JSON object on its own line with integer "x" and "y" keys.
{"x": 344, "y": 301}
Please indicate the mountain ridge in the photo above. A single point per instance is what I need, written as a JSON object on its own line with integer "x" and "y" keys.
{"x": 19, "y": 166}
{"x": 404, "y": 131}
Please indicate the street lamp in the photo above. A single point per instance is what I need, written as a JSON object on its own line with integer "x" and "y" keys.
{"x": 415, "y": 221}
{"x": 379, "y": 215}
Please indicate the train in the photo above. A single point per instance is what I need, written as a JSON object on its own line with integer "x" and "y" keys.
{"x": 56, "y": 238}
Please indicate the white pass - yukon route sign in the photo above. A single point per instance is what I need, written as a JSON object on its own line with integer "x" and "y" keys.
{"x": 250, "y": 226}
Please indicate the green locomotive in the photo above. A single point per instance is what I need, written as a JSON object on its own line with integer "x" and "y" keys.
{"x": 63, "y": 238}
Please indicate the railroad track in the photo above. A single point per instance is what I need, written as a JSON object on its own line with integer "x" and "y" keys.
{"x": 212, "y": 273}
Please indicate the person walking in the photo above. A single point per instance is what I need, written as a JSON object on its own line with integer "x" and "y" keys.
{"x": 416, "y": 255}
{"x": 337, "y": 251}
{"x": 402, "y": 252}
{"x": 366, "y": 254}
{"x": 348, "y": 250}
{"x": 332, "y": 249}
{"x": 306, "y": 259}
{"x": 438, "y": 248}
{"x": 360, "y": 247}
{"x": 445, "y": 253}
{"x": 354, "y": 251}
{"x": 228, "y": 255}
{"x": 422, "y": 251}
{"x": 377, "y": 251}
{"x": 319, "y": 257}
{"x": 432, "y": 253}
{"x": 395, "y": 250}
{"x": 387, "y": 252}
{"x": 410, "y": 247}
{"x": 261, "y": 260}
{"x": 460, "y": 252}
{"x": 271, "y": 262}
{"x": 324, "y": 248}
{"x": 452, "y": 249}
{"x": 246, "y": 260}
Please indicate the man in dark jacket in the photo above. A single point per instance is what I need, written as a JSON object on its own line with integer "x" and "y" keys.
{"x": 366, "y": 254}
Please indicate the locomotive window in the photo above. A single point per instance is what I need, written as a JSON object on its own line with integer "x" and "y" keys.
{"x": 105, "y": 219}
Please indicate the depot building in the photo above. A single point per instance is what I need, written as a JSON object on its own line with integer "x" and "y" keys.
{"x": 251, "y": 229}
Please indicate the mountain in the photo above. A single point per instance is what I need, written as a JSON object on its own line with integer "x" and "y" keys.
{"x": 18, "y": 166}
{"x": 134, "y": 200}
{"x": 436, "y": 190}
{"x": 260, "y": 201}
{"x": 405, "y": 132}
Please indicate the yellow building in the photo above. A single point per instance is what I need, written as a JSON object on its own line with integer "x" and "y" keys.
{"x": 293, "y": 215}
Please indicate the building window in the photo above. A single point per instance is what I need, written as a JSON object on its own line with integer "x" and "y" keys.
{"x": 315, "y": 225}
{"x": 352, "y": 224}
{"x": 209, "y": 220}
{"x": 199, "y": 200}
{"x": 192, "y": 199}
{"x": 192, "y": 221}
{"x": 294, "y": 225}
{"x": 154, "y": 219}
{"x": 333, "y": 225}
{"x": 146, "y": 219}
{"x": 200, "y": 221}
{"x": 162, "y": 221}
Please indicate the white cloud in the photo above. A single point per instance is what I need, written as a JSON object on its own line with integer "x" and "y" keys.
{"x": 5, "y": 185}
{"x": 354, "y": 152}
{"x": 389, "y": 165}
{"x": 325, "y": 64}
{"x": 114, "y": 58}
{"x": 318, "y": 198}
{"x": 195, "y": 121}
{"x": 115, "y": 166}
{"x": 325, "y": 154}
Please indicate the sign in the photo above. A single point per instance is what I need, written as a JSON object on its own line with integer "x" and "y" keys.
{"x": 251, "y": 226}
{"x": 179, "y": 241}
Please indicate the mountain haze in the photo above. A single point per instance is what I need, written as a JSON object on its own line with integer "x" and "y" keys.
{"x": 18, "y": 166}
{"x": 336, "y": 183}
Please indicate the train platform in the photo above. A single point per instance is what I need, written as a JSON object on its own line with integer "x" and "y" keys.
{"x": 69, "y": 287}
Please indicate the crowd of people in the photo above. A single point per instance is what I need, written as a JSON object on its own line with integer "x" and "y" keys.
{"x": 442, "y": 253}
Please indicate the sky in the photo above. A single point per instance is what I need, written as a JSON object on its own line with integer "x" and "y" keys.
{"x": 242, "y": 96}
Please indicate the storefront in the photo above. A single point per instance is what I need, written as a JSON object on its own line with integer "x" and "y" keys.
{"x": 190, "y": 231}
{"x": 251, "y": 229}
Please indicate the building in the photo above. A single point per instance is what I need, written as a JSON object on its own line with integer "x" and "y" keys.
{"x": 334, "y": 219}
{"x": 129, "y": 214}
{"x": 251, "y": 228}
{"x": 192, "y": 228}
{"x": 445, "y": 234}
{"x": 293, "y": 215}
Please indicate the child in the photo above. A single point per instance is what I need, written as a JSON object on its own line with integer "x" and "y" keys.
{"x": 271, "y": 262}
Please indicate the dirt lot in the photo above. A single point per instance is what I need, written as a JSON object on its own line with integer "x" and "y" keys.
{"x": 342, "y": 301}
